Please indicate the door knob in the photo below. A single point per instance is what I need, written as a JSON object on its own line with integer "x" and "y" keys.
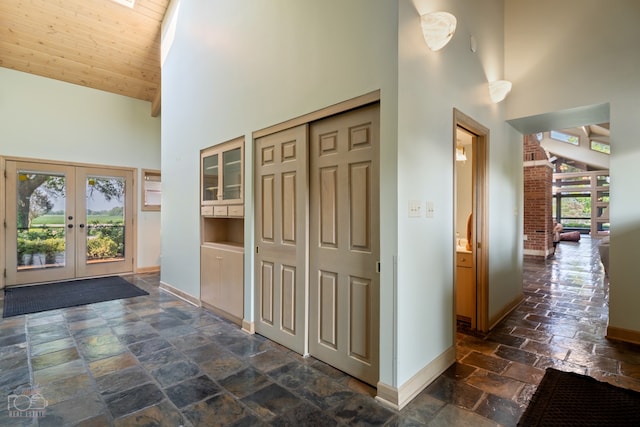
{"x": 81, "y": 226}
{"x": 69, "y": 217}
{"x": 70, "y": 225}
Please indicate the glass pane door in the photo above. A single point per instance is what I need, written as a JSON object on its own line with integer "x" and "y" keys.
{"x": 232, "y": 170}
{"x": 210, "y": 178}
{"x": 65, "y": 222}
{"x": 40, "y": 221}
{"x": 105, "y": 221}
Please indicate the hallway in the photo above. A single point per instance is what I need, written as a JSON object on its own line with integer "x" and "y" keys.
{"x": 156, "y": 360}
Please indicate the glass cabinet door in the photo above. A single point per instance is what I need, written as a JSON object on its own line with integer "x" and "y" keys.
{"x": 210, "y": 177}
{"x": 232, "y": 174}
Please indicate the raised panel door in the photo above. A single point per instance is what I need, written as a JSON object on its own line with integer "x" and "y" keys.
{"x": 281, "y": 244}
{"x": 344, "y": 243}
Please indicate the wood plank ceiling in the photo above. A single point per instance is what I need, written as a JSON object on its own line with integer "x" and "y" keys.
{"x": 94, "y": 43}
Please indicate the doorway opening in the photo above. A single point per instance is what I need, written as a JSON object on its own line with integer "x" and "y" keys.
{"x": 471, "y": 219}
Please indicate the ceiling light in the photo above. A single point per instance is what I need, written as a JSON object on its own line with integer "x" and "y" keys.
{"x": 437, "y": 29}
{"x": 499, "y": 89}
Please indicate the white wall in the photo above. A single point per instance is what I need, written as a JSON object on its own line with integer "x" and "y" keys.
{"x": 592, "y": 45}
{"x": 48, "y": 119}
{"x": 431, "y": 84}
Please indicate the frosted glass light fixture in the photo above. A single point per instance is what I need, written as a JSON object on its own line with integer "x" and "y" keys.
{"x": 499, "y": 89}
{"x": 437, "y": 29}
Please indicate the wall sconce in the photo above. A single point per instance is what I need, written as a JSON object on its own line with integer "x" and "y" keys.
{"x": 499, "y": 89}
{"x": 461, "y": 156}
{"x": 437, "y": 29}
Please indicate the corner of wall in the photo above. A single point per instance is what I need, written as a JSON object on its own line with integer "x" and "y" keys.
{"x": 398, "y": 398}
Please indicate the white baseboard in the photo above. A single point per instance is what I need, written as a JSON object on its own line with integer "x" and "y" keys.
{"x": 398, "y": 398}
{"x": 180, "y": 294}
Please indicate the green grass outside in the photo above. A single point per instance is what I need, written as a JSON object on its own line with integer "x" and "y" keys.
{"x": 59, "y": 219}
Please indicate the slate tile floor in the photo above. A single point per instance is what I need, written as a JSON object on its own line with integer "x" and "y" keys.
{"x": 155, "y": 360}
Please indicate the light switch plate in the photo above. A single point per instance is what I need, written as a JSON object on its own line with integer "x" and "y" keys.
{"x": 431, "y": 210}
{"x": 415, "y": 208}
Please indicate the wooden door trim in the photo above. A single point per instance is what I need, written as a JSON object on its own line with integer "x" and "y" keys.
{"x": 323, "y": 113}
{"x": 75, "y": 164}
{"x": 481, "y": 201}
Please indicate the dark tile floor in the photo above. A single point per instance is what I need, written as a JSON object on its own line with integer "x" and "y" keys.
{"x": 155, "y": 360}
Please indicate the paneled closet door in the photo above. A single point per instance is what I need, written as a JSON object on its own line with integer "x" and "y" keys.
{"x": 344, "y": 228}
{"x": 281, "y": 237}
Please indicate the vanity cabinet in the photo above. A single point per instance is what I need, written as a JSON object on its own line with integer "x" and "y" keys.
{"x": 222, "y": 229}
{"x": 465, "y": 288}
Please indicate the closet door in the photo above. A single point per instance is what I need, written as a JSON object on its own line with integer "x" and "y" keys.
{"x": 344, "y": 242}
{"x": 281, "y": 237}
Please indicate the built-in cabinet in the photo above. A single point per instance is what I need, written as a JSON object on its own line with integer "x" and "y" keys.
{"x": 465, "y": 288}
{"x": 222, "y": 229}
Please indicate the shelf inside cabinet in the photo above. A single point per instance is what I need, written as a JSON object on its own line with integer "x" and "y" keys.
{"x": 228, "y": 231}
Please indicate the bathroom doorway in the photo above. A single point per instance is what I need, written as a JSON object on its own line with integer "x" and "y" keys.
{"x": 471, "y": 223}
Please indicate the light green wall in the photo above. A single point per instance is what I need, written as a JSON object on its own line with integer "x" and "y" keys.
{"x": 431, "y": 85}
{"x": 236, "y": 67}
{"x": 587, "y": 56}
{"x": 53, "y": 120}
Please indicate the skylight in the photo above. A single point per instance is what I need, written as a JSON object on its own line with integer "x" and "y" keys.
{"x": 128, "y": 3}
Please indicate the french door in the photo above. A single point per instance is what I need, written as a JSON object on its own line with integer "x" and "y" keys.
{"x": 66, "y": 222}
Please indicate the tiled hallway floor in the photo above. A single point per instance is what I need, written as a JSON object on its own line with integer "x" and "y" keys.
{"x": 156, "y": 360}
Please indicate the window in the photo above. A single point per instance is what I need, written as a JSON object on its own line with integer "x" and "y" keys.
{"x": 564, "y": 137}
{"x": 128, "y": 3}
{"x": 575, "y": 210}
{"x": 600, "y": 147}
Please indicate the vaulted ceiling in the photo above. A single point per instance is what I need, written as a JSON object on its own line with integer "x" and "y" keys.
{"x": 94, "y": 43}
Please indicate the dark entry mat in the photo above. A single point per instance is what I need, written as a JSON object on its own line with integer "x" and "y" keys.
{"x": 52, "y": 296}
{"x": 569, "y": 399}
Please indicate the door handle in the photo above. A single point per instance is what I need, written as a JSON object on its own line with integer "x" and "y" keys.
{"x": 70, "y": 225}
{"x": 81, "y": 226}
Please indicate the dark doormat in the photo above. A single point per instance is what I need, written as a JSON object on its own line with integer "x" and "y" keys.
{"x": 570, "y": 399}
{"x": 52, "y": 296}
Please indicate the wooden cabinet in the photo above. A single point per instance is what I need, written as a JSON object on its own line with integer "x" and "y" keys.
{"x": 222, "y": 229}
{"x": 465, "y": 288}
{"x": 221, "y": 286}
{"x": 222, "y": 179}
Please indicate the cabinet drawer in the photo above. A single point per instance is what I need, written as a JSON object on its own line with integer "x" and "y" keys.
{"x": 236, "y": 210}
{"x": 206, "y": 210}
{"x": 464, "y": 259}
{"x": 219, "y": 211}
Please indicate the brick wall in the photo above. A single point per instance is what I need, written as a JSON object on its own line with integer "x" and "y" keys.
{"x": 538, "y": 177}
